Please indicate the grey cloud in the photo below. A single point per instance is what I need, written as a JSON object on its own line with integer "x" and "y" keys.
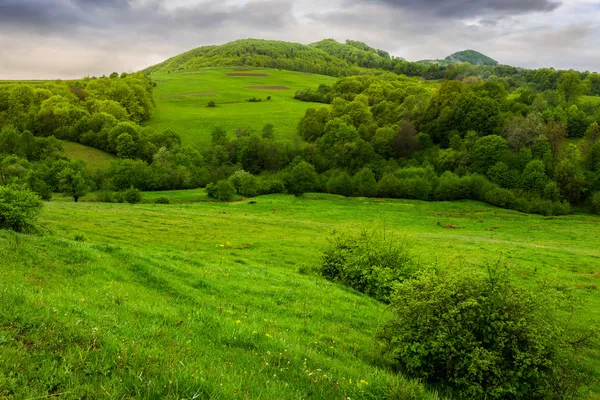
{"x": 470, "y": 8}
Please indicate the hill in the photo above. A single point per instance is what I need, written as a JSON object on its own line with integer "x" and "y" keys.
{"x": 182, "y": 98}
{"x": 163, "y": 301}
{"x": 468, "y": 56}
{"x": 472, "y": 57}
{"x": 257, "y": 53}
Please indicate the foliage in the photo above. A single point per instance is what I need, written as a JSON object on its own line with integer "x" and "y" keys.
{"x": 72, "y": 183}
{"x": 133, "y": 196}
{"x": 19, "y": 208}
{"x": 368, "y": 262}
{"x": 485, "y": 337}
{"x": 222, "y": 190}
{"x": 162, "y": 200}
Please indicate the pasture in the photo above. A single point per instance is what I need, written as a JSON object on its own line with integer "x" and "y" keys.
{"x": 221, "y": 300}
{"x": 95, "y": 159}
{"x": 182, "y": 99}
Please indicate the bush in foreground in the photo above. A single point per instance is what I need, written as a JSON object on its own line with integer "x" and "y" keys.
{"x": 368, "y": 262}
{"x": 484, "y": 337}
{"x": 19, "y": 208}
{"x": 162, "y": 200}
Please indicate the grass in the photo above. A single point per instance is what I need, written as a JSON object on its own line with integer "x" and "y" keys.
{"x": 216, "y": 299}
{"x": 94, "y": 158}
{"x": 182, "y": 98}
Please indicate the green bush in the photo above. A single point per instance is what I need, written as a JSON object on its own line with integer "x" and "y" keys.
{"x": 119, "y": 197}
{"x": 19, "y": 208}
{"x": 162, "y": 200}
{"x": 211, "y": 104}
{"x": 222, "y": 190}
{"x": 105, "y": 196}
{"x": 244, "y": 183}
{"x": 485, "y": 337}
{"x": 133, "y": 196}
{"x": 368, "y": 262}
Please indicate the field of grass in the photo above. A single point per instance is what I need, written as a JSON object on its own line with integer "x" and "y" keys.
{"x": 213, "y": 299}
{"x": 181, "y": 100}
{"x": 94, "y": 158}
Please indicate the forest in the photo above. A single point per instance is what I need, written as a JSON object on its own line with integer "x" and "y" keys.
{"x": 534, "y": 148}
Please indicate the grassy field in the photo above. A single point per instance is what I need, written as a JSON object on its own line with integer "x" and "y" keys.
{"x": 95, "y": 158}
{"x": 214, "y": 299}
{"x": 181, "y": 100}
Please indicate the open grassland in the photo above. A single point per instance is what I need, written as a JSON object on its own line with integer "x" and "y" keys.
{"x": 182, "y": 97}
{"x": 213, "y": 299}
{"x": 94, "y": 158}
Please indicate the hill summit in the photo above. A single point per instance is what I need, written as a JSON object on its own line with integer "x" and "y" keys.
{"x": 473, "y": 57}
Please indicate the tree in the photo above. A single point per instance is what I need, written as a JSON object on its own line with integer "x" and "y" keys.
{"x": 302, "y": 179}
{"x": 521, "y": 131}
{"x": 570, "y": 86}
{"x": 556, "y": 134}
{"x": 534, "y": 177}
{"x": 222, "y": 190}
{"x": 19, "y": 208}
{"x": 364, "y": 183}
{"x": 125, "y": 146}
{"x": 268, "y": 131}
{"x": 219, "y": 135}
{"x": 487, "y": 151}
{"x": 72, "y": 183}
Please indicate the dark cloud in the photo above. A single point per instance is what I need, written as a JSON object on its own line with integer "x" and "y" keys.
{"x": 470, "y": 8}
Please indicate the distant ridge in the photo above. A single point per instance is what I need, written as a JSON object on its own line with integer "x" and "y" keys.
{"x": 326, "y": 57}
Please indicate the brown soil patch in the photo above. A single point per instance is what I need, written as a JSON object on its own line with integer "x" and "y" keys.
{"x": 267, "y": 87}
{"x": 450, "y": 226}
{"x": 263, "y": 75}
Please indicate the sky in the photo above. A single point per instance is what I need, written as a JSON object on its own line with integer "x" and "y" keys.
{"x": 48, "y": 39}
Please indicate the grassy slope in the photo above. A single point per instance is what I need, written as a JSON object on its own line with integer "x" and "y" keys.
{"x": 206, "y": 298}
{"x": 95, "y": 158}
{"x": 182, "y": 98}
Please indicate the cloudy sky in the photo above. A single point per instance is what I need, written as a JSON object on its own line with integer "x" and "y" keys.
{"x": 74, "y": 38}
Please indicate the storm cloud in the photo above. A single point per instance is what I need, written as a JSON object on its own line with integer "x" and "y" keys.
{"x": 469, "y": 8}
{"x": 74, "y": 38}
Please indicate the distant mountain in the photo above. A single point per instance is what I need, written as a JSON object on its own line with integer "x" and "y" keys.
{"x": 469, "y": 56}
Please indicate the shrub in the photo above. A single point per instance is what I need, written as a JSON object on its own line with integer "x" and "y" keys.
{"x": 162, "y": 200}
{"x": 271, "y": 186}
{"x": 119, "y": 197}
{"x": 222, "y": 190}
{"x": 244, "y": 183}
{"x": 368, "y": 262}
{"x": 19, "y": 208}
{"x": 133, "y": 196}
{"x": 211, "y": 104}
{"x": 484, "y": 337}
{"x": 255, "y": 100}
{"x": 105, "y": 196}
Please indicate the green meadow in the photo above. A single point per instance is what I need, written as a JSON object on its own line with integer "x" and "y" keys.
{"x": 182, "y": 99}
{"x": 95, "y": 159}
{"x": 220, "y": 300}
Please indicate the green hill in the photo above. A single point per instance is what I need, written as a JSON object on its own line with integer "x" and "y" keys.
{"x": 182, "y": 98}
{"x": 469, "y": 56}
{"x": 257, "y": 53}
{"x": 473, "y": 57}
